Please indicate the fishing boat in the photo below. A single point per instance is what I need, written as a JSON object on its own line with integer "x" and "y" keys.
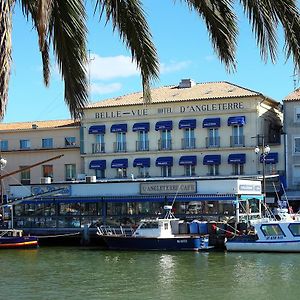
{"x": 154, "y": 234}
{"x": 15, "y": 238}
{"x": 278, "y": 233}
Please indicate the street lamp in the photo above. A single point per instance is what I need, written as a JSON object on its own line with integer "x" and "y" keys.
{"x": 3, "y": 163}
{"x": 265, "y": 150}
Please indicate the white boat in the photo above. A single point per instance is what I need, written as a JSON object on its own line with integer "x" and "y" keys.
{"x": 158, "y": 234}
{"x": 272, "y": 234}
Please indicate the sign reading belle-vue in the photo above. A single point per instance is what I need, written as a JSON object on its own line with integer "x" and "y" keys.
{"x": 171, "y": 110}
{"x": 168, "y": 187}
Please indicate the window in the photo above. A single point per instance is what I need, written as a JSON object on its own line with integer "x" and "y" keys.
{"x": 189, "y": 170}
{"x": 47, "y": 143}
{"x": 47, "y": 171}
{"x": 188, "y": 141}
{"x": 165, "y": 142}
{"x": 237, "y": 138}
{"x": 24, "y": 144}
{"x": 296, "y": 174}
{"x": 70, "y": 171}
{"x": 100, "y": 174}
{"x": 237, "y": 169}
{"x": 4, "y": 145}
{"x": 271, "y": 169}
{"x": 120, "y": 145}
{"x": 297, "y": 145}
{"x": 271, "y": 230}
{"x": 121, "y": 172}
{"x": 166, "y": 171}
{"x": 213, "y": 170}
{"x": 70, "y": 141}
{"x": 25, "y": 175}
{"x": 99, "y": 146}
{"x": 297, "y": 114}
{"x": 143, "y": 172}
{"x": 295, "y": 229}
{"x": 213, "y": 138}
{"x": 143, "y": 141}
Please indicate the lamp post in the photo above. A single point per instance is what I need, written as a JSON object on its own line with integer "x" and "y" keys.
{"x": 264, "y": 150}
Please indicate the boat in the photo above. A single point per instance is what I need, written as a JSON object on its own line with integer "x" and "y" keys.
{"x": 154, "y": 234}
{"x": 277, "y": 233}
{"x": 15, "y": 238}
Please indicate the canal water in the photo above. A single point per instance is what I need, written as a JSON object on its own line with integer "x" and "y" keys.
{"x": 82, "y": 273}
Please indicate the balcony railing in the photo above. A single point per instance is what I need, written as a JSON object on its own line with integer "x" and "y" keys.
{"x": 165, "y": 144}
{"x": 188, "y": 143}
{"x": 98, "y": 148}
{"x": 120, "y": 147}
{"x": 142, "y": 145}
{"x": 237, "y": 141}
{"x": 212, "y": 142}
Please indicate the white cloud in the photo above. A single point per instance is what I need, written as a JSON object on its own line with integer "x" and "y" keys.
{"x": 173, "y": 66}
{"x": 105, "y": 68}
{"x": 102, "y": 88}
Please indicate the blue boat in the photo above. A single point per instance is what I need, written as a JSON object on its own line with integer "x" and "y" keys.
{"x": 154, "y": 234}
{"x": 13, "y": 238}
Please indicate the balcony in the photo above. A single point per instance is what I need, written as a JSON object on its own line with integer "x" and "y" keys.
{"x": 188, "y": 143}
{"x": 142, "y": 145}
{"x": 120, "y": 147}
{"x": 165, "y": 145}
{"x": 98, "y": 148}
{"x": 212, "y": 142}
{"x": 237, "y": 141}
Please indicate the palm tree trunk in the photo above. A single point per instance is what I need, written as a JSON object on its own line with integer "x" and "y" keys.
{"x": 6, "y": 8}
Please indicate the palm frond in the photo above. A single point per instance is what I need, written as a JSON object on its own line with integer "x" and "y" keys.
{"x": 221, "y": 23}
{"x": 6, "y": 9}
{"x": 67, "y": 31}
{"x": 128, "y": 17}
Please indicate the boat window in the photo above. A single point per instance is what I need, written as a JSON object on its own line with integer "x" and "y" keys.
{"x": 272, "y": 230}
{"x": 149, "y": 225}
{"x": 295, "y": 229}
{"x": 166, "y": 226}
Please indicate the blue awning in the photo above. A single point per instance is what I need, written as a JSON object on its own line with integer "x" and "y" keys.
{"x": 142, "y": 162}
{"x": 141, "y": 126}
{"x": 237, "y": 158}
{"x": 118, "y": 128}
{"x": 164, "y": 125}
{"x": 120, "y": 163}
{"x": 211, "y": 122}
{"x": 212, "y": 159}
{"x": 97, "y": 129}
{"x": 190, "y": 160}
{"x": 271, "y": 158}
{"x": 98, "y": 164}
{"x": 164, "y": 161}
{"x": 191, "y": 123}
{"x": 237, "y": 120}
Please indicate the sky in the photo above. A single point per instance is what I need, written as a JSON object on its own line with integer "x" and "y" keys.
{"x": 183, "y": 48}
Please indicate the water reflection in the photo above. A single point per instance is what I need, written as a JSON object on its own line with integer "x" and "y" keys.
{"x": 167, "y": 269}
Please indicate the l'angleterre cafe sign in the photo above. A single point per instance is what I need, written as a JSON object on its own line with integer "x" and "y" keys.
{"x": 222, "y": 106}
{"x": 168, "y": 187}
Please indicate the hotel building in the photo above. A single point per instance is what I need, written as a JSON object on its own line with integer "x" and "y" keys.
{"x": 194, "y": 143}
{"x": 291, "y": 106}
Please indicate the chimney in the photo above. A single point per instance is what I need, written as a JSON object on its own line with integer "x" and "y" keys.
{"x": 186, "y": 83}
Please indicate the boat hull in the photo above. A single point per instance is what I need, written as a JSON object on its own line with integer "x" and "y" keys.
{"x": 260, "y": 246}
{"x": 148, "y": 243}
{"x": 23, "y": 242}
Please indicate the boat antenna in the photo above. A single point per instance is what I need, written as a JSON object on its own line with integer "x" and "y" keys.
{"x": 176, "y": 195}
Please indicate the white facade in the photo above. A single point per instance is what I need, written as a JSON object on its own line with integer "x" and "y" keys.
{"x": 292, "y": 130}
{"x": 220, "y": 102}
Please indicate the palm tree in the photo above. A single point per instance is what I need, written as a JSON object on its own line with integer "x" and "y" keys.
{"x": 62, "y": 25}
